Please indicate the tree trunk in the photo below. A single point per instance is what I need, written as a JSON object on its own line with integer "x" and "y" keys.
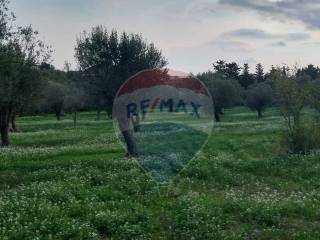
{"x": 58, "y": 115}
{"x": 109, "y": 112}
{"x": 4, "y": 126}
{"x": 131, "y": 146}
{"x": 4, "y": 136}
{"x": 259, "y": 113}
{"x": 13, "y": 123}
{"x": 217, "y": 115}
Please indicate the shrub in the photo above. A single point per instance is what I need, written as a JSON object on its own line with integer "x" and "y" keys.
{"x": 294, "y": 94}
{"x": 304, "y": 138}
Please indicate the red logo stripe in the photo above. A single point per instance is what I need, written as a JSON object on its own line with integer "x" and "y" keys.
{"x": 152, "y": 78}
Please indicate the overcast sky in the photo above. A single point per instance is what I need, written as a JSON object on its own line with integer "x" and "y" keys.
{"x": 191, "y": 33}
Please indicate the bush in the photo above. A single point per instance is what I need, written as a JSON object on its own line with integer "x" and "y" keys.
{"x": 304, "y": 139}
{"x": 294, "y": 94}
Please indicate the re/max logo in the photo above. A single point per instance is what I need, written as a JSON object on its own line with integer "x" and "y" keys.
{"x": 163, "y": 105}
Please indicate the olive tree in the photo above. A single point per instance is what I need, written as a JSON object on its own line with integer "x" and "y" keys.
{"x": 224, "y": 92}
{"x": 259, "y": 97}
{"x": 107, "y": 59}
{"x": 292, "y": 97}
{"x": 315, "y": 95}
{"x": 20, "y": 82}
{"x": 74, "y": 100}
{"x": 55, "y": 96}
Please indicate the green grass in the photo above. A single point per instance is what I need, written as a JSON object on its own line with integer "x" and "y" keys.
{"x": 63, "y": 182}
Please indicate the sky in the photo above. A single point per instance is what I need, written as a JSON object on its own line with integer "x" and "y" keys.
{"x": 192, "y": 34}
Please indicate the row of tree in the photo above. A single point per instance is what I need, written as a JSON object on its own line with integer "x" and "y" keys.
{"x": 231, "y": 85}
{"x": 293, "y": 90}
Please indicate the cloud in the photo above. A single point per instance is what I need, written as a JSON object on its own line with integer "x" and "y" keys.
{"x": 297, "y": 37}
{"x": 191, "y": 32}
{"x": 250, "y": 60}
{"x": 250, "y": 33}
{"x": 230, "y": 45}
{"x": 253, "y": 33}
{"x": 311, "y": 44}
{"x": 278, "y": 44}
{"x": 306, "y": 11}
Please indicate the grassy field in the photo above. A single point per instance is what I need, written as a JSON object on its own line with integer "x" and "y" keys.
{"x": 65, "y": 182}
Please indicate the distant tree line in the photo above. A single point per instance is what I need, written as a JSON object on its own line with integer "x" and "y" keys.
{"x": 292, "y": 90}
{"x": 232, "y": 85}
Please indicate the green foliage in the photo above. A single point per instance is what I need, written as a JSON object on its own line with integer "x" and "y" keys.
{"x": 304, "y": 138}
{"x": 312, "y": 71}
{"x": 259, "y": 74}
{"x": 109, "y": 59}
{"x": 315, "y": 95}
{"x": 55, "y": 96}
{"x": 227, "y": 70}
{"x": 246, "y": 79}
{"x": 259, "y": 97}
{"x": 224, "y": 92}
{"x": 294, "y": 94}
{"x": 20, "y": 52}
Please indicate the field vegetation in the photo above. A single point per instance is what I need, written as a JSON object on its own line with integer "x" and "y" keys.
{"x": 58, "y": 181}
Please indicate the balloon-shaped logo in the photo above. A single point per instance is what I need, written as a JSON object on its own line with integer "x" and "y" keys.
{"x": 163, "y": 118}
